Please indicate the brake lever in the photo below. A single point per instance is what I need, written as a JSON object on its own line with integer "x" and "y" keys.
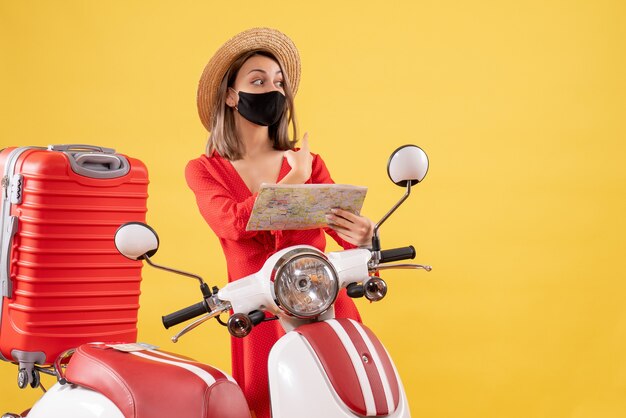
{"x": 402, "y": 266}
{"x": 200, "y": 321}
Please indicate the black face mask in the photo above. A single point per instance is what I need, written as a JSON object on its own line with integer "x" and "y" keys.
{"x": 263, "y": 109}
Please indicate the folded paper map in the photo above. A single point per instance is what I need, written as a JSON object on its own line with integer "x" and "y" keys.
{"x": 302, "y": 206}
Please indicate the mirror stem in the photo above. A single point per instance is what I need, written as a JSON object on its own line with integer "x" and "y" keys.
{"x": 375, "y": 237}
{"x": 182, "y": 273}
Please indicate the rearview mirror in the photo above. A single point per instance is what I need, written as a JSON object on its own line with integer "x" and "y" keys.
{"x": 136, "y": 240}
{"x": 409, "y": 163}
{"x": 407, "y": 166}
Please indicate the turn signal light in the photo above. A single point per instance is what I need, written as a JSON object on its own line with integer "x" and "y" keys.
{"x": 375, "y": 289}
{"x": 239, "y": 325}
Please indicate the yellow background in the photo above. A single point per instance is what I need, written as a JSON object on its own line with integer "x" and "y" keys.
{"x": 520, "y": 106}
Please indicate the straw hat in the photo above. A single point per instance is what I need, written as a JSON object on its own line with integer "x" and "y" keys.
{"x": 265, "y": 39}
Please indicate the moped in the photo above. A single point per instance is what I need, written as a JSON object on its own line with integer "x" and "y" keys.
{"x": 322, "y": 367}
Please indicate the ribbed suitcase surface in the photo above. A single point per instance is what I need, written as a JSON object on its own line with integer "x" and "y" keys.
{"x": 65, "y": 283}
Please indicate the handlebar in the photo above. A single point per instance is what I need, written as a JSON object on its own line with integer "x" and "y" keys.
{"x": 397, "y": 254}
{"x": 185, "y": 314}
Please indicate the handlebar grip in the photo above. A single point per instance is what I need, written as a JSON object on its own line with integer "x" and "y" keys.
{"x": 185, "y": 314}
{"x": 397, "y": 254}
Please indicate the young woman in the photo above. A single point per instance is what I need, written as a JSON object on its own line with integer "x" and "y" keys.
{"x": 245, "y": 101}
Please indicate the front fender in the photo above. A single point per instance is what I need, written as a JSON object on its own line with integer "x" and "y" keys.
{"x": 340, "y": 361}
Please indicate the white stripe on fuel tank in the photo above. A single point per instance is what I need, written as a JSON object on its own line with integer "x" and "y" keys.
{"x": 379, "y": 366}
{"x": 357, "y": 363}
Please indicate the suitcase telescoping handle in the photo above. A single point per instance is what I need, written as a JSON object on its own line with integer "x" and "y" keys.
{"x": 80, "y": 148}
{"x": 94, "y": 161}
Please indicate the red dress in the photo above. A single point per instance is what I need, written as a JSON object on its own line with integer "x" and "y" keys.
{"x": 225, "y": 202}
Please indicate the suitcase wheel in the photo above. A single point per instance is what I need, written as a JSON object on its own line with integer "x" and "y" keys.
{"x": 24, "y": 378}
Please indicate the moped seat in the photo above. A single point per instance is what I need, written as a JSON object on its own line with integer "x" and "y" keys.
{"x": 156, "y": 384}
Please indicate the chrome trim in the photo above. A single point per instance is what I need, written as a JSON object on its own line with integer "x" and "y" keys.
{"x": 199, "y": 321}
{"x": 378, "y": 293}
{"x": 171, "y": 270}
{"x": 376, "y": 235}
{"x": 291, "y": 256}
{"x": 58, "y": 368}
{"x": 401, "y": 266}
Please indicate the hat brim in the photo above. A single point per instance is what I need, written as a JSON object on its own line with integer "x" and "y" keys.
{"x": 266, "y": 39}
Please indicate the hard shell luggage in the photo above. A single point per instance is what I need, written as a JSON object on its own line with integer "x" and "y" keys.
{"x": 63, "y": 283}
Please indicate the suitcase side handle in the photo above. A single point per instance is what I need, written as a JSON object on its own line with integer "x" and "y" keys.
{"x": 80, "y": 147}
{"x": 5, "y": 257}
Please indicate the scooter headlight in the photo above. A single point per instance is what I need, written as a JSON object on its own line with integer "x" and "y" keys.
{"x": 305, "y": 283}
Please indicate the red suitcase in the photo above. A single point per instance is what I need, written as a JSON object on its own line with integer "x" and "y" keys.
{"x": 63, "y": 283}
